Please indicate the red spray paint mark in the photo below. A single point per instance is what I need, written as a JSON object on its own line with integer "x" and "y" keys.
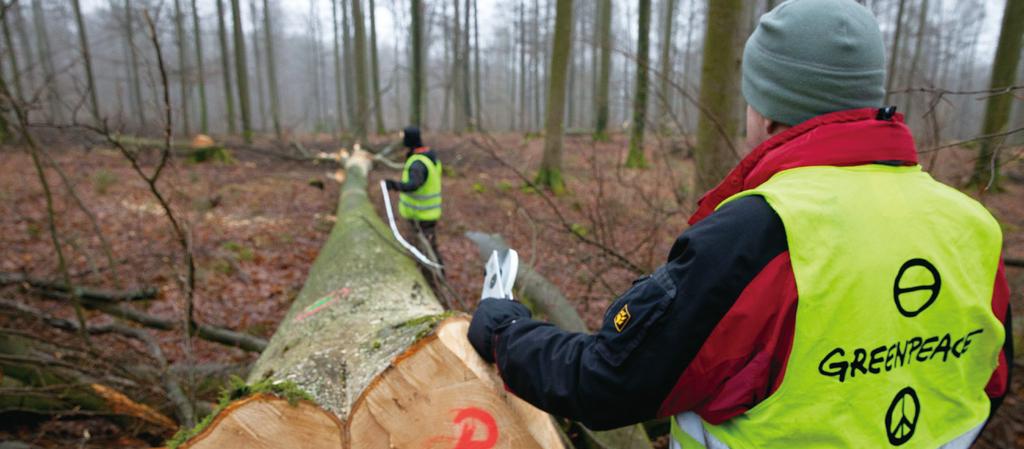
{"x": 466, "y": 416}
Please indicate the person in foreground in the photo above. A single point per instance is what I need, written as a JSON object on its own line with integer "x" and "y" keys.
{"x": 829, "y": 293}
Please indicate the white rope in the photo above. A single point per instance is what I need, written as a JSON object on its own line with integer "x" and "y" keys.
{"x": 398, "y": 236}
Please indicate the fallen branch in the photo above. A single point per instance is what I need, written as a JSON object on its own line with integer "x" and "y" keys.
{"x": 1018, "y": 263}
{"x": 45, "y": 286}
{"x": 171, "y": 386}
{"x": 207, "y": 332}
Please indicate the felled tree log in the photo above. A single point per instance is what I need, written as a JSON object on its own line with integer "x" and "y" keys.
{"x": 546, "y": 299}
{"x": 385, "y": 367}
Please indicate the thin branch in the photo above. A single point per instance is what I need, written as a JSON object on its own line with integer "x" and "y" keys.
{"x": 620, "y": 259}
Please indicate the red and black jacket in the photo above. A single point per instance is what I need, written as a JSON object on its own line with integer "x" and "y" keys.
{"x": 710, "y": 330}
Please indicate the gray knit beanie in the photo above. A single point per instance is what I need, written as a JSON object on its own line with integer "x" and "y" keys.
{"x": 811, "y": 57}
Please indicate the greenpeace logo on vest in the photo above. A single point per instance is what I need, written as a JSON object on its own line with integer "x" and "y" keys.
{"x": 897, "y": 355}
{"x": 922, "y": 277}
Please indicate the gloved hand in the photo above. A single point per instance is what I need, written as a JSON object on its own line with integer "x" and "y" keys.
{"x": 391, "y": 184}
{"x": 492, "y": 314}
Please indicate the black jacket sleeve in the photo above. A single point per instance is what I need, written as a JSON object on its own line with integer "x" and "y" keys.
{"x": 622, "y": 373}
{"x": 417, "y": 176}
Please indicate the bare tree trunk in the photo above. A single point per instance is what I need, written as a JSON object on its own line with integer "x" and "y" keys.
{"x": 241, "y": 71}
{"x": 467, "y": 99}
{"x": 894, "y": 53}
{"x": 83, "y": 41}
{"x": 523, "y": 107}
{"x": 664, "y": 94}
{"x": 268, "y": 33}
{"x": 550, "y": 173}
{"x": 46, "y": 56}
{"x": 314, "y": 34}
{"x": 636, "y": 158}
{"x": 997, "y": 108}
{"x": 136, "y": 84}
{"x": 478, "y": 122}
{"x": 25, "y": 43}
{"x": 225, "y": 67}
{"x": 535, "y": 62}
{"x": 339, "y": 105}
{"x": 922, "y": 24}
{"x": 12, "y": 57}
{"x": 257, "y": 55}
{"x": 719, "y": 123}
{"x": 179, "y": 32}
{"x": 200, "y": 76}
{"x": 416, "y": 75}
{"x": 362, "y": 95}
{"x": 378, "y": 109}
{"x": 604, "y": 27}
{"x": 350, "y": 93}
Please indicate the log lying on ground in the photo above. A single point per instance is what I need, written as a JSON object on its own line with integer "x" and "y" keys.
{"x": 546, "y": 299}
{"x": 382, "y": 363}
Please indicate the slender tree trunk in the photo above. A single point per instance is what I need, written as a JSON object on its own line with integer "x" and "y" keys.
{"x": 997, "y": 108}
{"x": 536, "y": 58}
{"x": 241, "y": 71}
{"x": 550, "y": 174}
{"x": 136, "y": 84}
{"x": 362, "y": 95}
{"x": 665, "y": 100}
{"x": 225, "y": 67}
{"x": 268, "y": 33}
{"x": 257, "y": 55}
{"x": 314, "y": 43}
{"x": 446, "y": 113}
{"x": 687, "y": 60}
{"x": 12, "y": 57}
{"x": 350, "y": 93}
{"x": 604, "y": 27}
{"x": 922, "y": 24}
{"x": 200, "y": 76}
{"x": 719, "y": 123}
{"x": 478, "y": 122}
{"x": 46, "y": 58}
{"x": 337, "y": 67}
{"x": 378, "y": 110}
{"x": 83, "y": 41}
{"x": 25, "y": 43}
{"x": 467, "y": 97}
{"x": 455, "y": 80}
{"x": 523, "y": 106}
{"x": 179, "y": 32}
{"x": 416, "y": 75}
{"x": 636, "y": 158}
{"x": 894, "y": 53}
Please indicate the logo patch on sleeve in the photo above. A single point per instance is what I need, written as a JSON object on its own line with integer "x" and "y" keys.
{"x": 622, "y": 318}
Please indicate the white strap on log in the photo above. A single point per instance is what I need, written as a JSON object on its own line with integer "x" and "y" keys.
{"x": 398, "y": 236}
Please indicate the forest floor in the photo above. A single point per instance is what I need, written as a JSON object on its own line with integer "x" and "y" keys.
{"x": 257, "y": 223}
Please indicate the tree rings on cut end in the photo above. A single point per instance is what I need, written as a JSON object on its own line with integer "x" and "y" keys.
{"x": 441, "y": 394}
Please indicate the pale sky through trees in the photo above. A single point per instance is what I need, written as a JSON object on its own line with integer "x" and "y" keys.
{"x": 296, "y": 11}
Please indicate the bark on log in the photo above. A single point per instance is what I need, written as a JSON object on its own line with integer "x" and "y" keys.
{"x": 386, "y": 367}
{"x": 549, "y": 301}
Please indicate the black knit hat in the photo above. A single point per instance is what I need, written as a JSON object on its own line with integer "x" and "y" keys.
{"x": 411, "y": 137}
